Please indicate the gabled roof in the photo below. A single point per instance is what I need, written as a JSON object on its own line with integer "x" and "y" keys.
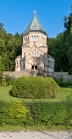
{"x": 19, "y": 56}
{"x": 34, "y": 25}
{"x": 49, "y": 56}
{"x": 43, "y": 46}
{"x": 24, "y": 45}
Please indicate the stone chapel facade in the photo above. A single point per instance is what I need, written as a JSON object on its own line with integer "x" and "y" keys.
{"x": 34, "y": 54}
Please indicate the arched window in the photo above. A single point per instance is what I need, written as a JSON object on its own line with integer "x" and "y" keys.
{"x": 32, "y": 38}
{"x": 17, "y": 63}
{"x": 24, "y": 40}
{"x": 37, "y": 38}
{"x": 52, "y": 65}
{"x": 49, "y": 63}
{"x": 28, "y": 38}
{"x": 20, "y": 63}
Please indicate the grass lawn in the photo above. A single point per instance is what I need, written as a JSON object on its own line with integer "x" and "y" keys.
{"x": 62, "y": 95}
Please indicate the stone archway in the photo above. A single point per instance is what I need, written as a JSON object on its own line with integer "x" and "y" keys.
{"x": 34, "y": 67}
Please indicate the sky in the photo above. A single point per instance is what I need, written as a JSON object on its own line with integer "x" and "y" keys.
{"x": 17, "y": 14}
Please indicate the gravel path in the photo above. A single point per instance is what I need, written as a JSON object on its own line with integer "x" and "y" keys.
{"x": 36, "y": 135}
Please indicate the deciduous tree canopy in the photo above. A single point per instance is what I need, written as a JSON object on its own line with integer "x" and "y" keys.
{"x": 61, "y": 47}
{"x": 10, "y": 47}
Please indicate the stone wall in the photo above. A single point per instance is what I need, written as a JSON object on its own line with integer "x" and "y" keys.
{"x": 64, "y": 75}
{"x": 20, "y": 73}
{"x": 16, "y": 74}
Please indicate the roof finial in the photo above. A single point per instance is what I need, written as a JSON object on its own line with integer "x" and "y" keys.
{"x": 35, "y": 12}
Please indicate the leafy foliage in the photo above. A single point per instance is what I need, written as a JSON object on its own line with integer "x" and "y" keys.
{"x": 61, "y": 48}
{"x": 1, "y": 77}
{"x": 12, "y": 113}
{"x": 34, "y": 87}
{"x": 40, "y": 113}
{"x": 63, "y": 83}
{"x": 49, "y": 114}
{"x": 10, "y": 47}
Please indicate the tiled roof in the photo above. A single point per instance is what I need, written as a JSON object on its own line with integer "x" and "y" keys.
{"x": 34, "y": 25}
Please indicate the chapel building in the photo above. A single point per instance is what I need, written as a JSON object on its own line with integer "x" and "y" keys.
{"x": 34, "y": 54}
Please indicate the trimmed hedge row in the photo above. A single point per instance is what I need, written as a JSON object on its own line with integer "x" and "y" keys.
{"x": 51, "y": 113}
{"x": 34, "y": 87}
{"x": 40, "y": 113}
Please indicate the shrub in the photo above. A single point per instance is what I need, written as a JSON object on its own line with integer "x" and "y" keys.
{"x": 40, "y": 113}
{"x": 9, "y": 80}
{"x": 62, "y": 83}
{"x": 34, "y": 87}
{"x": 1, "y": 77}
{"x": 12, "y": 113}
{"x": 47, "y": 113}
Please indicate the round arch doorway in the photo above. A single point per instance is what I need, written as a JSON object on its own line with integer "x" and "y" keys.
{"x": 34, "y": 67}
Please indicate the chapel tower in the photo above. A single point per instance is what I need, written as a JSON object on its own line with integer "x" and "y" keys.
{"x": 34, "y": 49}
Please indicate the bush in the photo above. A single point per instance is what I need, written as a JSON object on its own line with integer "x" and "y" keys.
{"x": 9, "y": 80}
{"x": 51, "y": 114}
{"x": 34, "y": 87}
{"x": 62, "y": 83}
{"x": 40, "y": 113}
{"x": 12, "y": 113}
{"x": 1, "y": 76}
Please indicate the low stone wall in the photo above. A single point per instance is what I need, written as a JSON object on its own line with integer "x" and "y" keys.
{"x": 16, "y": 74}
{"x": 20, "y": 73}
{"x": 64, "y": 75}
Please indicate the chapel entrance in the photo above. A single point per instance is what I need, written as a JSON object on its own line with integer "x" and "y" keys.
{"x": 34, "y": 67}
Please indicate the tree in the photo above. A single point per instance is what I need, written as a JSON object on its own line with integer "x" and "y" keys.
{"x": 61, "y": 47}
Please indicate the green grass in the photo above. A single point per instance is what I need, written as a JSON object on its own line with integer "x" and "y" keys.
{"x": 9, "y": 128}
{"x": 62, "y": 95}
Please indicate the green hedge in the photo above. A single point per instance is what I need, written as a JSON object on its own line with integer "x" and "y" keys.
{"x": 51, "y": 113}
{"x": 34, "y": 87}
{"x": 40, "y": 113}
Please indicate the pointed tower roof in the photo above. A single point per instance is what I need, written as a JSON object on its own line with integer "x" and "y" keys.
{"x": 34, "y": 26}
